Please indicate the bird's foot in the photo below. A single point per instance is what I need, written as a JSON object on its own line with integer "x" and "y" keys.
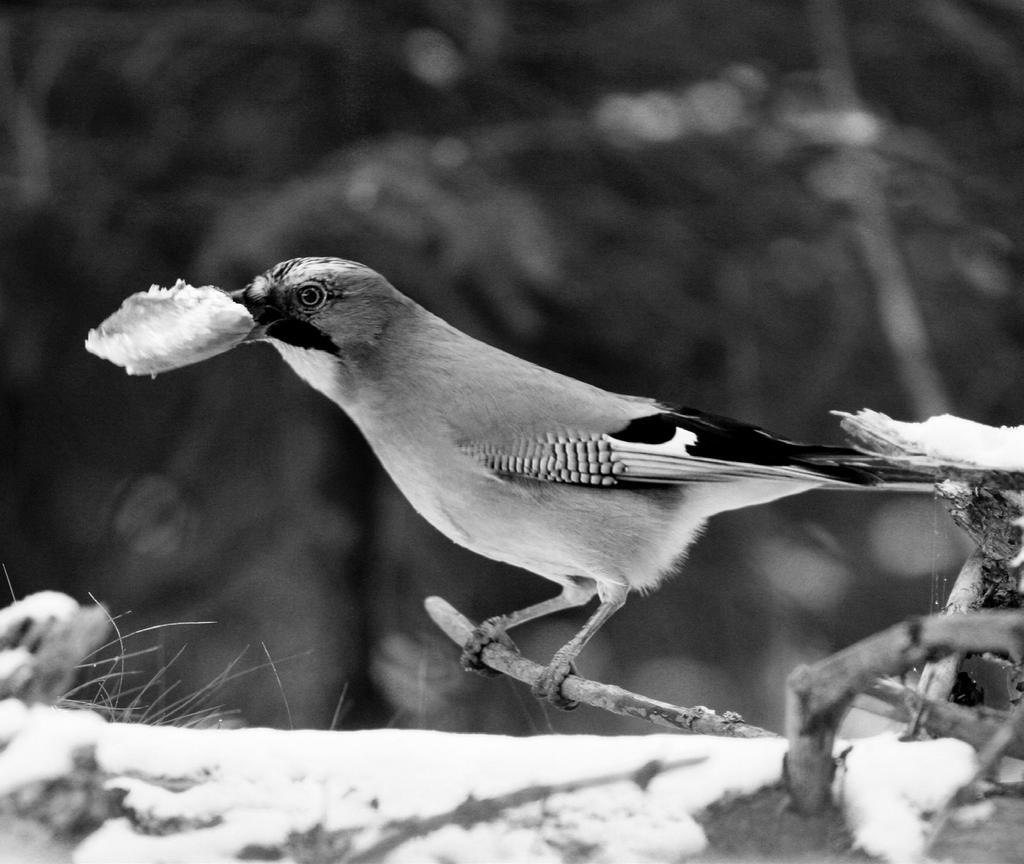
{"x": 549, "y": 685}
{"x": 490, "y": 631}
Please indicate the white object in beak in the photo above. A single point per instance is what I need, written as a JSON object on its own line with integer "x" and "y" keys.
{"x": 167, "y": 328}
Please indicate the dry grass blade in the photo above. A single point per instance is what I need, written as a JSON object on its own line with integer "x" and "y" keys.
{"x": 280, "y": 685}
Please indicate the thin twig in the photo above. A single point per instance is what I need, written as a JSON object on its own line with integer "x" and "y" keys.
{"x": 698, "y": 720}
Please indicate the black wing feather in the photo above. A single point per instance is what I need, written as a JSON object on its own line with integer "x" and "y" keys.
{"x": 728, "y": 440}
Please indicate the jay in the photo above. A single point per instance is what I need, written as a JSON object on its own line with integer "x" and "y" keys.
{"x": 599, "y": 492}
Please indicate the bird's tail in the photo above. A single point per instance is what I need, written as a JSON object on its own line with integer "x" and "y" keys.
{"x": 848, "y": 468}
{"x": 741, "y": 449}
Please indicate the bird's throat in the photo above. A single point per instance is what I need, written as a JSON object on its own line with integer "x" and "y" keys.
{"x": 322, "y": 370}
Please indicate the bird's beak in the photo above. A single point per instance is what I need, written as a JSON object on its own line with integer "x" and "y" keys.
{"x": 263, "y": 314}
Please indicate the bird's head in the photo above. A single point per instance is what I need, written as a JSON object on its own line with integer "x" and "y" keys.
{"x": 326, "y": 305}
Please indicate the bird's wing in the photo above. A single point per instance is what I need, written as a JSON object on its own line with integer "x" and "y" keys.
{"x": 679, "y": 445}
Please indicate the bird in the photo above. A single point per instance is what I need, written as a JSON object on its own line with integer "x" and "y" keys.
{"x": 598, "y": 492}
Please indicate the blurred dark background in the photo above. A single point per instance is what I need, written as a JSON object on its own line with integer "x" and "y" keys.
{"x": 767, "y": 209}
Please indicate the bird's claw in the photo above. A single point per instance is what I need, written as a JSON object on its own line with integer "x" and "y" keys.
{"x": 549, "y": 685}
{"x": 490, "y": 631}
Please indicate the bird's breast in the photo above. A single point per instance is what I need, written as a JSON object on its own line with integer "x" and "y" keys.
{"x": 553, "y": 529}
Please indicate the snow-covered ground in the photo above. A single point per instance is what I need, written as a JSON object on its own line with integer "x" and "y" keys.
{"x": 208, "y": 795}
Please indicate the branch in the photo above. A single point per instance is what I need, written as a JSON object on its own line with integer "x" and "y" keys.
{"x": 967, "y": 595}
{"x": 818, "y": 695}
{"x": 982, "y": 497}
{"x": 987, "y": 513}
{"x": 26, "y": 127}
{"x": 697, "y": 720}
{"x": 976, "y": 725}
{"x": 1001, "y": 744}
{"x": 880, "y": 435}
{"x": 899, "y": 311}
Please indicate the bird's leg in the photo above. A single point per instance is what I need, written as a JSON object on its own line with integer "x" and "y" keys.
{"x": 549, "y": 684}
{"x": 574, "y": 593}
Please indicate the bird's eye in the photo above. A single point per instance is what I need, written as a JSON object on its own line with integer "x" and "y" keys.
{"x": 311, "y": 296}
